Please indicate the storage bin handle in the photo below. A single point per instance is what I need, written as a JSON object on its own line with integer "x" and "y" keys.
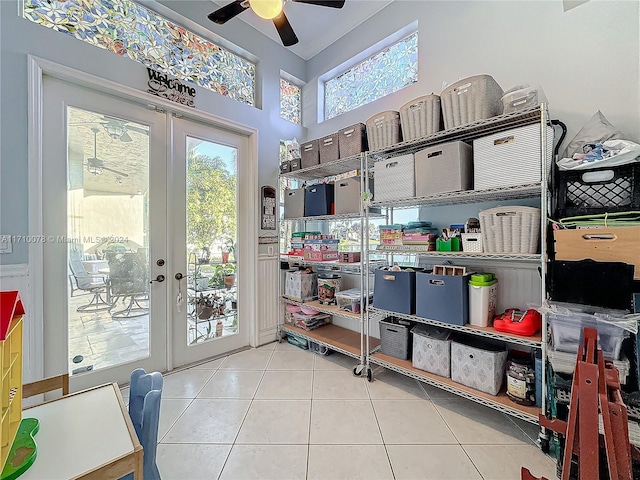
{"x": 506, "y": 214}
{"x": 291, "y": 193}
{"x": 504, "y": 140}
{"x": 313, "y": 190}
{"x": 349, "y": 132}
{"x": 343, "y": 184}
{"x": 308, "y": 146}
{"x": 602, "y": 236}
{"x": 391, "y": 330}
{"x": 391, "y": 165}
{"x": 328, "y": 141}
{"x": 438, "y": 283}
{"x": 434, "y": 154}
{"x": 599, "y": 176}
{"x": 471, "y": 355}
{"x": 388, "y": 277}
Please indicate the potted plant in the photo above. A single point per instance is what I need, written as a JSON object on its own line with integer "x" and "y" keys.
{"x": 201, "y": 281}
{"x": 204, "y": 305}
{"x": 229, "y": 275}
{"x": 229, "y": 248}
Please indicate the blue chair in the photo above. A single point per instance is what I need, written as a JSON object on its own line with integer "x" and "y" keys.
{"x": 145, "y": 392}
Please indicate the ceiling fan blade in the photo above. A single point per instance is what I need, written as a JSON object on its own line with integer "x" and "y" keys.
{"x": 122, "y": 174}
{"x": 226, "y": 13}
{"x": 137, "y": 129}
{"x": 287, "y": 35}
{"x": 323, "y": 3}
{"x": 125, "y": 137}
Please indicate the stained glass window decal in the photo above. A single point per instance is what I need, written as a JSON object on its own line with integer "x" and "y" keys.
{"x": 290, "y": 102}
{"x": 385, "y": 72}
{"x": 133, "y": 31}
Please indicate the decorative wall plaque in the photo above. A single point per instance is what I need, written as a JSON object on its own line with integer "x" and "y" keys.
{"x": 165, "y": 86}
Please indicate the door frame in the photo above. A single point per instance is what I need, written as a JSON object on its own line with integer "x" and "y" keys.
{"x": 37, "y": 68}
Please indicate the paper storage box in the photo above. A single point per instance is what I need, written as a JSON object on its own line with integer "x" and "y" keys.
{"x": 318, "y": 199}
{"x": 395, "y": 335}
{"x": 352, "y": 140}
{"x": 394, "y": 178}
{"x": 567, "y": 328}
{"x": 383, "y": 129}
{"x": 444, "y": 298}
{"x": 395, "y": 291}
{"x": 349, "y": 257}
{"x": 432, "y": 349}
{"x": 329, "y": 149}
{"x": 478, "y": 364}
{"x": 420, "y": 117}
{"x": 513, "y": 229}
{"x": 471, "y": 99}
{"x": 310, "y": 153}
{"x": 444, "y": 168}
{"x": 509, "y": 158}
{"x": 301, "y": 286}
{"x": 294, "y": 203}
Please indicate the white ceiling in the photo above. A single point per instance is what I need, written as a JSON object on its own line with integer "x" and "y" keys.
{"x": 316, "y": 27}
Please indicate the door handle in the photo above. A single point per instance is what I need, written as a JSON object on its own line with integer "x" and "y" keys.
{"x": 159, "y": 278}
{"x": 179, "y": 276}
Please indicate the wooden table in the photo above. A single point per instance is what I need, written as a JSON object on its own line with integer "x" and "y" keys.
{"x": 86, "y": 435}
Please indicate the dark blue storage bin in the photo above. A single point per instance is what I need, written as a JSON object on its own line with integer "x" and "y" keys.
{"x": 538, "y": 368}
{"x": 395, "y": 291}
{"x": 318, "y": 200}
{"x": 444, "y": 298}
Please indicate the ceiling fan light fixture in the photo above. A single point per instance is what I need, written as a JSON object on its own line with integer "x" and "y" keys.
{"x": 93, "y": 170}
{"x": 267, "y": 9}
{"x": 115, "y": 129}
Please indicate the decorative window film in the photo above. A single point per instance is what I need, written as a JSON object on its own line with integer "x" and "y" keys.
{"x": 290, "y": 102}
{"x": 383, "y": 73}
{"x": 136, "y": 32}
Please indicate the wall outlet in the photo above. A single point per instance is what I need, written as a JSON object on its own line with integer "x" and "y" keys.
{"x": 5, "y": 244}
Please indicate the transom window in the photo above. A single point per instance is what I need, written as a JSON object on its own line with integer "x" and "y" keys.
{"x": 136, "y": 32}
{"x": 290, "y": 102}
{"x": 384, "y": 72}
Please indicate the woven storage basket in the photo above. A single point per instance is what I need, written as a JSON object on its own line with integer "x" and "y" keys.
{"x": 471, "y": 99}
{"x": 310, "y": 153}
{"x": 420, "y": 117}
{"x": 328, "y": 146}
{"x": 352, "y": 140}
{"x": 383, "y": 129}
{"x": 511, "y": 229}
{"x": 472, "y": 242}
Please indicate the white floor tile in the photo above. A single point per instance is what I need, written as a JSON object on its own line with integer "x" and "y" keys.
{"x": 266, "y": 462}
{"x": 247, "y": 360}
{"x": 186, "y": 383}
{"x": 209, "y": 421}
{"x": 353, "y": 462}
{"x": 409, "y": 422}
{"x": 267, "y": 346}
{"x": 338, "y": 384}
{"x": 287, "y": 385}
{"x": 285, "y": 346}
{"x": 170, "y": 411}
{"x": 232, "y": 384}
{"x": 191, "y": 462}
{"x": 431, "y": 462}
{"x": 289, "y": 360}
{"x": 335, "y": 361}
{"x": 389, "y": 385}
{"x": 284, "y": 422}
{"x": 346, "y": 422}
{"x": 507, "y": 464}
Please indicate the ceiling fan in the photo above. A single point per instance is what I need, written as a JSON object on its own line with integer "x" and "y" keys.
{"x": 270, "y": 10}
{"x": 95, "y": 165}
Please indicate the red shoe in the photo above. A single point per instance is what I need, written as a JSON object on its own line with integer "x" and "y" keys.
{"x": 516, "y": 321}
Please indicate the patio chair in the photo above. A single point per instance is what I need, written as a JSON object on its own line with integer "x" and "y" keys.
{"x": 95, "y": 284}
{"x": 129, "y": 282}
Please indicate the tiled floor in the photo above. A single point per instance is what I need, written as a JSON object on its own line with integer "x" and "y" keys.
{"x": 278, "y": 412}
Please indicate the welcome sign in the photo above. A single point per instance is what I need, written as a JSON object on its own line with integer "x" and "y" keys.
{"x": 162, "y": 85}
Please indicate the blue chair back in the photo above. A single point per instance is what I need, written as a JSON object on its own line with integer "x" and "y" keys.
{"x": 144, "y": 409}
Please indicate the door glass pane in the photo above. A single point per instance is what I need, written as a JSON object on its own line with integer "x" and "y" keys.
{"x": 107, "y": 237}
{"x": 211, "y": 239}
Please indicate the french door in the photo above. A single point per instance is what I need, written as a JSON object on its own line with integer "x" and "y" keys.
{"x": 124, "y": 235}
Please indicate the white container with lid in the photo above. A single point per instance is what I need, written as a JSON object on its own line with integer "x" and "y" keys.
{"x": 483, "y": 297}
{"x": 522, "y": 97}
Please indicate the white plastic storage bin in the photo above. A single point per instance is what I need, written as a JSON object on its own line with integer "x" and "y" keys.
{"x": 383, "y": 129}
{"x": 420, "y": 117}
{"x": 513, "y": 229}
{"x": 522, "y": 98}
{"x": 444, "y": 168}
{"x": 509, "y": 158}
{"x": 472, "y": 242}
{"x": 471, "y": 99}
{"x": 394, "y": 178}
{"x": 294, "y": 202}
{"x": 567, "y": 332}
{"x": 483, "y": 298}
{"x": 478, "y": 365}
{"x": 432, "y": 349}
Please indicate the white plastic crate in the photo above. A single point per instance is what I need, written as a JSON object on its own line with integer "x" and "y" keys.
{"x": 395, "y": 178}
{"x": 383, "y": 129}
{"x": 420, "y": 117}
{"x": 513, "y": 229}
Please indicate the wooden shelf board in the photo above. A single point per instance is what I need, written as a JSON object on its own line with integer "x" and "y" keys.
{"x": 500, "y": 399}
{"x": 330, "y": 334}
{"x": 330, "y": 309}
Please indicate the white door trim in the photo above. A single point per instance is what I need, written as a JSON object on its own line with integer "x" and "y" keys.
{"x": 37, "y": 68}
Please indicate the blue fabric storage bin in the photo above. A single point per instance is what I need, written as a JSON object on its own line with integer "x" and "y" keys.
{"x": 444, "y": 298}
{"x": 318, "y": 199}
{"x": 395, "y": 291}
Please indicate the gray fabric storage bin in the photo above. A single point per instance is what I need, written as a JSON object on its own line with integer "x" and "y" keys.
{"x": 444, "y": 168}
{"x": 347, "y": 194}
{"x": 383, "y": 129}
{"x": 296, "y": 164}
{"x": 294, "y": 203}
{"x": 329, "y": 149}
{"x": 479, "y": 365}
{"x": 444, "y": 298}
{"x": 432, "y": 349}
{"x": 471, "y": 99}
{"x": 352, "y": 140}
{"x": 395, "y": 335}
{"x": 420, "y": 117}
{"x": 395, "y": 178}
{"x": 395, "y": 291}
{"x": 285, "y": 167}
{"x": 310, "y": 153}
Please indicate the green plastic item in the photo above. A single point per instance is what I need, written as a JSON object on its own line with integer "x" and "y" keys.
{"x": 483, "y": 279}
{"x": 451, "y": 245}
{"x": 23, "y": 451}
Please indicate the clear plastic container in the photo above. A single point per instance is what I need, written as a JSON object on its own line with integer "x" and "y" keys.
{"x": 522, "y": 98}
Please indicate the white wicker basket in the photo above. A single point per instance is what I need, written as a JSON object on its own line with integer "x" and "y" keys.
{"x": 420, "y": 117}
{"x": 383, "y": 129}
{"x": 472, "y": 242}
{"x": 512, "y": 229}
